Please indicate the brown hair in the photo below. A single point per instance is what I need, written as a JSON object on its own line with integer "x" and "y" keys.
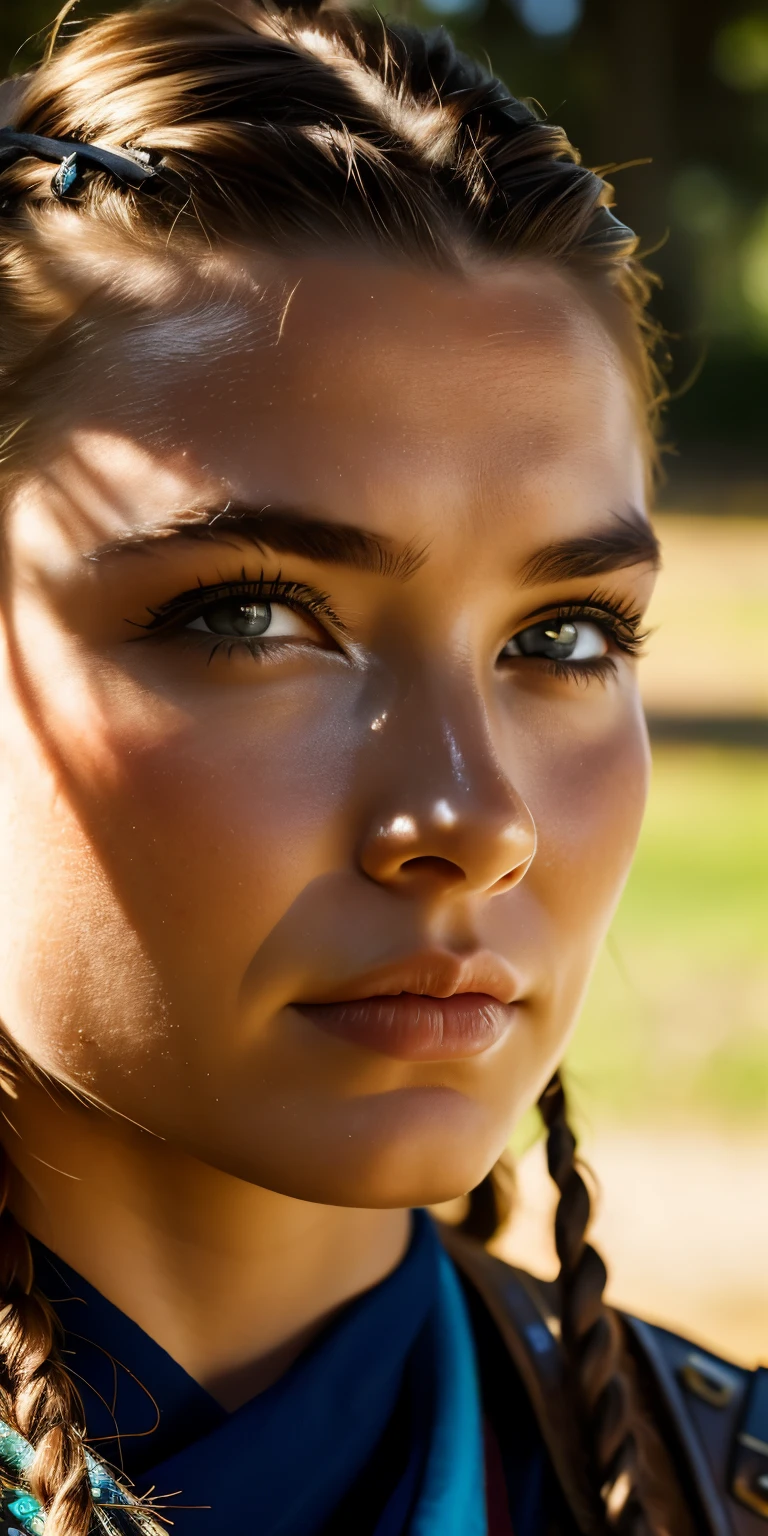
{"x": 604, "y": 1415}
{"x": 294, "y": 129}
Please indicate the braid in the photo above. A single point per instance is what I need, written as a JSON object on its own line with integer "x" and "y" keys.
{"x": 37, "y": 1396}
{"x": 589, "y": 1331}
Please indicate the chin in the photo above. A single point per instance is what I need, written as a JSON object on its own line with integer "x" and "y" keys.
{"x": 409, "y": 1147}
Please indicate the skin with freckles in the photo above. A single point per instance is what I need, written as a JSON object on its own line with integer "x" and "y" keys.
{"x": 255, "y": 764}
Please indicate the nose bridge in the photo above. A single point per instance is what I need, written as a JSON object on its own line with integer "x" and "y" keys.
{"x": 460, "y": 757}
{"x": 442, "y": 796}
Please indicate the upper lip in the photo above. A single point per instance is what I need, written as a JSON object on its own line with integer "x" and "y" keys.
{"x": 432, "y": 973}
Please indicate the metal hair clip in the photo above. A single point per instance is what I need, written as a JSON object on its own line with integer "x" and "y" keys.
{"x": 607, "y": 229}
{"x": 133, "y": 168}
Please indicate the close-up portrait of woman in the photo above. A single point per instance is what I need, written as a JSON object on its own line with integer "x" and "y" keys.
{"x": 330, "y": 405}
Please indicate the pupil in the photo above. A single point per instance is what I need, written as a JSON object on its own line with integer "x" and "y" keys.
{"x": 232, "y": 618}
{"x": 552, "y": 640}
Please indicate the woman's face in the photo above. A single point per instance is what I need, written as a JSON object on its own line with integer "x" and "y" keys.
{"x": 314, "y": 689}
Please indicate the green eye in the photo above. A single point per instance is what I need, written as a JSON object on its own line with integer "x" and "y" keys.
{"x": 234, "y": 619}
{"x": 559, "y": 640}
{"x": 231, "y": 618}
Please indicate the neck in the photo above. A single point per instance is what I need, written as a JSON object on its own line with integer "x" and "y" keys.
{"x": 230, "y": 1279}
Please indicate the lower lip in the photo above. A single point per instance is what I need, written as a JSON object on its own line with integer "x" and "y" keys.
{"x": 415, "y": 1028}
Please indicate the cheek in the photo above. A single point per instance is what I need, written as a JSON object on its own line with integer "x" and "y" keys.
{"x": 207, "y": 825}
{"x": 588, "y": 803}
{"x": 580, "y": 759}
{"x": 593, "y": 803}
{"x": 168, "y": 842}
{"x": 74, "y": 966}
{"x": 587, "y": 794}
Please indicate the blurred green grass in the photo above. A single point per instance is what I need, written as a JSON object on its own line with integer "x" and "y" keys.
{"x": 676, "y": 1020}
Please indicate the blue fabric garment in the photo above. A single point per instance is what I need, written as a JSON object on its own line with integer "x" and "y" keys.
{"x": 402, "y": 1354}
{"x": 454, "y": 1476}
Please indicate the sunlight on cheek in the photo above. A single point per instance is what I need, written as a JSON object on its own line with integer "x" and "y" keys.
{"x": 83, "y": 719}
{"x": 78, "y": 986}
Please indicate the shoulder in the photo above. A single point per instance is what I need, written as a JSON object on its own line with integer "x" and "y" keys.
{"x": 717, "y": 1414}
{"x": 706, "y": 1417}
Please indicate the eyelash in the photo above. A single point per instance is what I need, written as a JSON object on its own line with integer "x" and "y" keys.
{"x": 170, "y": 617}
{"x": 616, "y": 618}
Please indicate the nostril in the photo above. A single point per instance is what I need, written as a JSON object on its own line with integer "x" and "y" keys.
{"x": 427, "y": 864}
{"x": 512, "y": 878}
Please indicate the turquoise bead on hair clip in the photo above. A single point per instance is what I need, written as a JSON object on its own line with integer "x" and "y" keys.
{"x": 132, "y": 168}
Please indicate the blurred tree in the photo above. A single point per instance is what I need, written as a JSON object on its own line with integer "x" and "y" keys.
{"x": 680, "y": 83}
{"x": 684, "y": 84}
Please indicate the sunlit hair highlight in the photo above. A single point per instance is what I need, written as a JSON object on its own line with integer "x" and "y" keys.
{"x": 290, "y": 132}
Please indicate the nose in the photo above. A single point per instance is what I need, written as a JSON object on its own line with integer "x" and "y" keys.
{"x": 447, "y": 814}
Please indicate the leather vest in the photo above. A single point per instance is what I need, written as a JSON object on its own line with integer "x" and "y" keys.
{"x": 703, "y": 1421}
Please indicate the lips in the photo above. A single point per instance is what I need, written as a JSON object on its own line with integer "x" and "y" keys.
{"x": 437, "y": 1008}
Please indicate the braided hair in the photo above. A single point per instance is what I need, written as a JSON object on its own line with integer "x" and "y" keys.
{"x": 293, "y": 129}
{"x": 37, "y": 1395}
{"x": 589, "y": 1330}
{"x": 597, "y": 1378}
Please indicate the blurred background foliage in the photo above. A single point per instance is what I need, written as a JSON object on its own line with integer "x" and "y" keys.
{"x": 681, "y": 85}
{"x": 669, "y": 1066}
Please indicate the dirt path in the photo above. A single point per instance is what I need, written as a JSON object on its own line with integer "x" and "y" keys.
{"x": 683, "y": 1222}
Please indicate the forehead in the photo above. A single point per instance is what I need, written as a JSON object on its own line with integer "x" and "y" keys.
{"x": 374, "y": 391}
{"x": 508, "y": 352}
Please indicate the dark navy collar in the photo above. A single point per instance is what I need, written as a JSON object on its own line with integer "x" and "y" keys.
{"x": 305, "y": 1440}
{"x": 140, "y": 1404}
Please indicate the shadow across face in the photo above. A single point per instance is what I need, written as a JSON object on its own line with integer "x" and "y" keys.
{"x": 323, "y": 760}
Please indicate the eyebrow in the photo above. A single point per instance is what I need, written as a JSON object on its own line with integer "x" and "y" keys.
{"x": 281, "y": 529}
{"x": 622, "y": 541}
